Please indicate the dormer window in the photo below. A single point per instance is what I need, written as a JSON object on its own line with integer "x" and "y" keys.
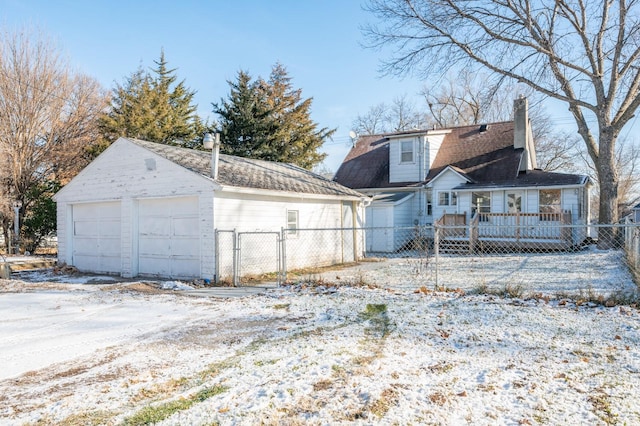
{"x": 406, "y": 151}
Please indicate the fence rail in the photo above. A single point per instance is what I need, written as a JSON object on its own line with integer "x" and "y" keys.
{"x": 274, "y": 255}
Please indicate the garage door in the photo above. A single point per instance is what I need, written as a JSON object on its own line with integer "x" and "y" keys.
{"x": 96, "y": 237}
{"x": 169, "y": 237}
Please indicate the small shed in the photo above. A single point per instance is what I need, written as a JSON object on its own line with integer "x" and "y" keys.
{"x": 143, "y": 208}
{"x": 389, "y": 219}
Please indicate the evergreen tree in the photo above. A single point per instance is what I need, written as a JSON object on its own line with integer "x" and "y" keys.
{"x": 269, "y": 120}
{"x": 151, "y": 106}
{"x": 243, "y": 119}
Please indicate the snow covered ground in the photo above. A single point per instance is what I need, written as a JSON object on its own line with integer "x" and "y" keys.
{"x": 370, "y": 345}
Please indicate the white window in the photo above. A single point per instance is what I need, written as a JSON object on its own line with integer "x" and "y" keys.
{"x": 550, "y": 201}
{"x": 292, "y": 222}
{"x": 429, "y": 196}
{"x": 406, "y": 152}
{"x": 447, "y": 198}
{"x": 481, "y": 203}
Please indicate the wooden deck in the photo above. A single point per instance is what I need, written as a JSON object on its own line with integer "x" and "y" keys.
{"x": 505, "y": 232}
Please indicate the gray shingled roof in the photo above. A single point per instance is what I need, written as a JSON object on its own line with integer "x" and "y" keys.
{"x": 249, "y": 173}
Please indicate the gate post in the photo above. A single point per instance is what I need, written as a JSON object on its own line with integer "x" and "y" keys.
{"x": 436, "y": 250}
{"x": 236, "y": 257}
{"x": 283, "y": 240}
{"x": 216, "y": 253}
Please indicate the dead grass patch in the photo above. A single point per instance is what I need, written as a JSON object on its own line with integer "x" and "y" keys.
{"x": 322, "y": 385}
{"x": 93, "y": 418}
{"x": 160, "y": 389}
{"x": 438, "y": 398}
{"x": 388, "y": 398}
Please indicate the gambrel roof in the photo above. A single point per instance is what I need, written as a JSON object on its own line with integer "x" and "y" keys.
{"x": 484, "y": 154}
{"x": 249, "y": 173}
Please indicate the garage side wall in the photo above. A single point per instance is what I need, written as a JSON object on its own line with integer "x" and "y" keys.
{"x": 250, "y": 213}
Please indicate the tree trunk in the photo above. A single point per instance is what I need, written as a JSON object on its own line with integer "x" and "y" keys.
{"x": 4, "y": 224}
{"x": 608, "y": 181}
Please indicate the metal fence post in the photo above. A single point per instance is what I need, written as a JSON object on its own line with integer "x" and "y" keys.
{"x": 236, "y": 257}
{"x": 636, "y": 251}
{"x": 436, "y": 251}
{"x": 283, "y": 240}
{"x": 216, "y": 253}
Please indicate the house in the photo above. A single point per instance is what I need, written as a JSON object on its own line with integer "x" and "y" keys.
{"x": 142, "y": 208}
{"x": 481, "y": 177}
{"x": 636, "y": 214}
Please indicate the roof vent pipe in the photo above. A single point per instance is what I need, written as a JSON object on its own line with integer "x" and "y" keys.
{"x": 212, "y": 142}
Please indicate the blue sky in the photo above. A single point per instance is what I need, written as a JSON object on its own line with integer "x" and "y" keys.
{"x": 319, "y": 42}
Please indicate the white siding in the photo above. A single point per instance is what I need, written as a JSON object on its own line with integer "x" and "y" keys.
{"x": 63, "y": 217}
{"x": 249, "y": 212}
{"x": 121, "y": 172}
{"x": 445, "y": 182}
{"x": 403, "y": 214}
{"x": 570, "y": 202}
{"x": 464, "y": 203}
{"x": 349, "y": 238}
{"x": 532, "y": 203}
{"x": 207, "y": 236}
{"x": 404, "y": 172}
{"x": 152, "y": 190}
{"x": 497, "y": 202}
{"x": 251, "y": 215}
{"x": 131, "y": 174}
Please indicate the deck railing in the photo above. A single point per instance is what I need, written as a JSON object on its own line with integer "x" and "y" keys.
{"x": 539, "y": 226}
{"x": 453, "y": 225}
{"x": 508, "y": 226}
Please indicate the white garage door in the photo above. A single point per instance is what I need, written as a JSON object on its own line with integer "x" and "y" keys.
{"x": 169, "y": 237}
{"x": 96, "y": 237}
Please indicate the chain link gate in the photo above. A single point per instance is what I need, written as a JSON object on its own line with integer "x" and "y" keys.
{"x": 242, "y": 257}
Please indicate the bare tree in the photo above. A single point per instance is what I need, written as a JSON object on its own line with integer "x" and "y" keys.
{"x": 48, "y": 116}
{"x": 458, "y": 101}
{"x": 401, "y": 115}
{"x": 584, "y": 54}
{"x": 474, "y": 99}
{"x": 373, "y": 122}
{"x": 628, "y": 166}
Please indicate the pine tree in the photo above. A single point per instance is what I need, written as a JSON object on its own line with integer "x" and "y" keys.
{"x": 269, "y": 120}
{"x": 151, "y": 106}
{"x": 243, "y": 118}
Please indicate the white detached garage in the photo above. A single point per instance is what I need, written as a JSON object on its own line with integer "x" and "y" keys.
{"x": 143, "y": 208}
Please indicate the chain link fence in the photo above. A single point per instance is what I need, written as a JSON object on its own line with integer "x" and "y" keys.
{"x": 499, "y": 256}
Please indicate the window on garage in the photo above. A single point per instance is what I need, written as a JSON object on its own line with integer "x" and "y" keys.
{"x": 292, "y": 222}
